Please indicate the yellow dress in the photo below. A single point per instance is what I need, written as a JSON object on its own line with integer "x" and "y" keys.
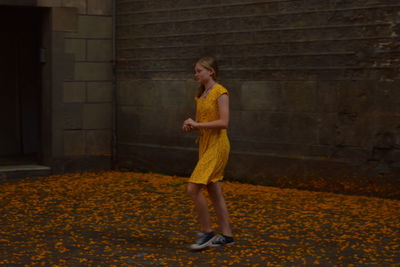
{"x": 213, "y": 143}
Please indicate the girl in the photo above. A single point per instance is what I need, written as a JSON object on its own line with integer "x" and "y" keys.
{"x": 212, "y": 118}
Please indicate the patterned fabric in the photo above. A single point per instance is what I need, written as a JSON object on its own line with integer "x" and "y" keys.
{"x": 213, "y": 143}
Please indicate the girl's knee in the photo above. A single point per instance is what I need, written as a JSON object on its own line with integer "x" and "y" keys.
{"x": 214, "y": 189}
{"x": 190, "y": 190}
{"x": 215, "y": 192}
{"x": 193, "y": 189}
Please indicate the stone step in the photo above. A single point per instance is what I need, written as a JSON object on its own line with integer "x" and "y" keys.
{"x": 21, "y": 171}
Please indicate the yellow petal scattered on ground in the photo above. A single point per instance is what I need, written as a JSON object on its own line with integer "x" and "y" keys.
{"x": 141, "y": 219}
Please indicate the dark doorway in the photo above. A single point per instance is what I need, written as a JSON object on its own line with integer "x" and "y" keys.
{"x": 20, "y": 89}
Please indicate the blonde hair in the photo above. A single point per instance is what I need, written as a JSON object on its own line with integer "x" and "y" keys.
{"x": 210, "y": 64}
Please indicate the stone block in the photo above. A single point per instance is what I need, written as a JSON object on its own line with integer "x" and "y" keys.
{"x": 74, "y": 143}
{"x": 272, "y": 148}
{"x": 188, "y": 108}
{"x": 74, "y": 92}
{"x": 99, "y": 50}
{"x": 57, "y": 51}
{"x": 72, "y": 116}
{"x": 79, "y": 4}
{"x": 97, "y": 116}
{"x": 142, "y": 121}
{"x": 173, "y": 93}
{"x": 127, "y": 118}
{"x": 157, "y": 159}
{"x": 171, "y": 122}
{"x": 327, "y": 129}
{"x": 302, "y": 128}
{"x": 150, "y": 17}
{"x": 64, "y": 19}
{"x": 348, "y": 129}
{"x": 299, "y": 96}
{"x": 138, "y": 93}
{"x": 384, "y": 133}
{"x": 77, "y": 47}
{"x": 236, "y": 118}
{"x": 260, "y": 125}
{"x": 85, "y": 71}
{"x": 84, "y": 163}
{"x": 98, "y": 142}
{"x": 275, "y": 126}
{"x": 356, "y": 96}
{"x": 92, "y": 27}
{"x": 63, "y": 67}
{"x": 191, "y": 85}
{"x": 234, "y": 88}
{"x": 100, "y": 7}
{"x": 260, "y": 96}
{"x": 48, "y": 3}
{"x": 327, "y": 96}
{"x": 344, "y": 129}
{"x": 56, "y": 129}
{"x": 320, "y": 151}
{"x": 387, "y": 96}
{"x": 99, "y": 91}
{"x": 131, "y": 6}
{"x": 152, "y": 121}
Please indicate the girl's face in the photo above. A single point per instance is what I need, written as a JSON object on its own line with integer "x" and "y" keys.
{"x": 201, "y": 74}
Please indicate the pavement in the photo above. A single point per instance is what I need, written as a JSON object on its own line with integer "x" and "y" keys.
{"x": 146, "y": 219}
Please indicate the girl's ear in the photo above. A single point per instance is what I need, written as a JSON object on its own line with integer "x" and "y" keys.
{"x": 212, "y": 72}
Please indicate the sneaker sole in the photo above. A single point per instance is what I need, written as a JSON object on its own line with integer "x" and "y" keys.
{"x": 219, "y": 245}
{"x": 203, "y": 246}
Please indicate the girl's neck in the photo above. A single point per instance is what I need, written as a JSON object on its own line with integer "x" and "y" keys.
{"x": 209, "y": 84}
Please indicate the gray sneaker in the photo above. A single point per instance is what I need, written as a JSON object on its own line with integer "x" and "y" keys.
{"x": 220, "y": 240}
{"x": 204, "y": 240}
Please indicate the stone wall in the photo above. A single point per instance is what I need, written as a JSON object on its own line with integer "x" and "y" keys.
{"x": 77, "y": 80}
{"x": 314, "y": 88}
{"x": 82, "y": 121}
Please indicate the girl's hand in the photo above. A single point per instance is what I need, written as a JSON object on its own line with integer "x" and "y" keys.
{"x": 191, "y": 123}
{"x": 186, "y": 128}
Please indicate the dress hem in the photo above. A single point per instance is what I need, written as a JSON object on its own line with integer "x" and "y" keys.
{"x": 208, "y": 182}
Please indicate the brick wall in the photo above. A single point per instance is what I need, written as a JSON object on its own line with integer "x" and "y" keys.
{"x": 315, "y": 96}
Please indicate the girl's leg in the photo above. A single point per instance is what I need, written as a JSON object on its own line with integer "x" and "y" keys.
{"x": 201, "y": 206}
{"x": 215, "y": 192}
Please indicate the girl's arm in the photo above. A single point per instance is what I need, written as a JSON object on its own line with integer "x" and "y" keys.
{"x": 221, "y": 123}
